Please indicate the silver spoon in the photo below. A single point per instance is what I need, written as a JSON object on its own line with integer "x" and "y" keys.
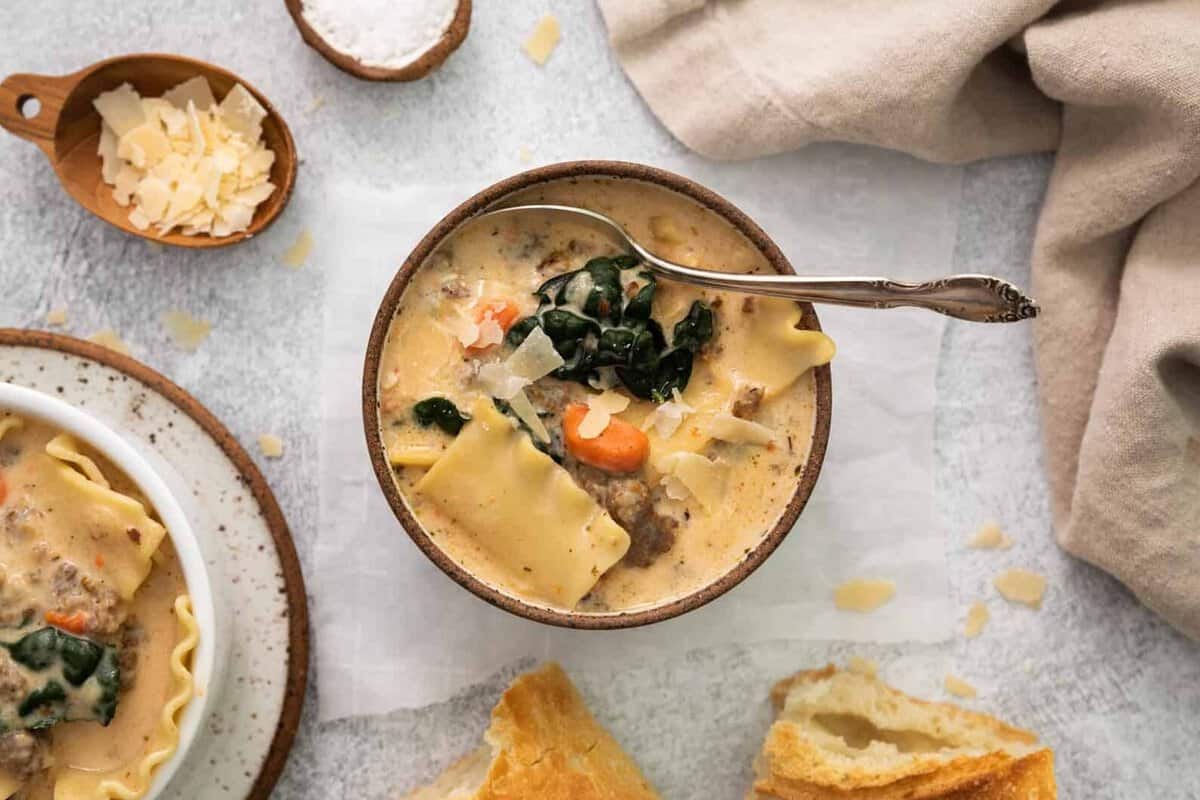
{"x": 977, "y": 298}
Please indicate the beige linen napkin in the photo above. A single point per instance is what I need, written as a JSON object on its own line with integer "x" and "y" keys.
{"x": 1115, "y": 88}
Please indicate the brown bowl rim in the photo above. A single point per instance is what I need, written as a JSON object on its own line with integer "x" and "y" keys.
{"x": 370, "y": 402}
{"x": 431, "y": 59}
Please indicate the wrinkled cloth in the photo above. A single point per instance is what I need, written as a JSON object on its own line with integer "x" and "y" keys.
{"x": 1114, "y": 87}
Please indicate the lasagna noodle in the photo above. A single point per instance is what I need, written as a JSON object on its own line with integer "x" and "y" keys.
{"x": 547, "y": 537}
{"x": 8, "y": 784}
{"x": 131, "y": 781}
{"x": 7, "y": 424}
{"x": 124, "y": 535}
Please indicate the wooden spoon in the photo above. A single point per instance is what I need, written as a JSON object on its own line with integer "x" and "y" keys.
{"x": 64, "y": 124}
{"x": 453, "y": 36}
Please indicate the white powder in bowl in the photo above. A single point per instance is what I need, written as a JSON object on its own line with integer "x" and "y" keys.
{"x": 381, "y": 33}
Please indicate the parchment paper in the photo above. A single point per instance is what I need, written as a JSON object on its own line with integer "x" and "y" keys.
{"x": 393, "y": 632}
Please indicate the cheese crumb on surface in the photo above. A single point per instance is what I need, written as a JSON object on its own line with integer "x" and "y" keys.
{"x": 863, "y": 666}
{"x": 56, "y": 317}
{"x": 524, "y": 154}
{"x": 863, "y": 594}
{"x": 990, "y": 537}
{"x": 298, "y": 253}
{"x": 270, "y": 445}
{"x": 316, "y": 103}
{"x": 185, "y": 330}
{"x": 1022, "y": 586}
{"x": 543, "y": 40}
{"x": 110, "y": 339}
{"x": 960, "y": 688}
{"x": 977, "y": 617}
{"x": 183, "y": 160}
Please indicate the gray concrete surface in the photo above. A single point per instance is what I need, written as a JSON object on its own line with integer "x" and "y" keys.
{"x": 1113, "y": 689}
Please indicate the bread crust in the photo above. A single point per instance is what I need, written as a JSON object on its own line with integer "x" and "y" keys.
{"x": 794, "y": 767}
{"x": 546, "y": 745}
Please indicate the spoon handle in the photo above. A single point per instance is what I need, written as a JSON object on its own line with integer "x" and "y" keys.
{"x": 19, "y": 115}
{"x": 976, "y": 298}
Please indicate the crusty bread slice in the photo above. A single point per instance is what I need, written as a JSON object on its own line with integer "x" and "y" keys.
{"x": 543, "y": 743}
{"x": 847, "y": 736}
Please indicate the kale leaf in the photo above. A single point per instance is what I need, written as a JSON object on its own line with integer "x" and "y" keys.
{"x": 441, "y": 412}
{"x": 81, "y": 663}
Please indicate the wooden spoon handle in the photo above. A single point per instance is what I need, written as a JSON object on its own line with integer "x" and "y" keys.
{"x": 51, "y": 93}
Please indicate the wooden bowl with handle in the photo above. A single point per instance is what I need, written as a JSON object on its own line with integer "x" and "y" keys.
{"x": 56, "y": 114}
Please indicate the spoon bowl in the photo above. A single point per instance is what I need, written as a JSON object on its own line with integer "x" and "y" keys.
{"x": 56, "y": 114}
{"x": 975, "y": 298}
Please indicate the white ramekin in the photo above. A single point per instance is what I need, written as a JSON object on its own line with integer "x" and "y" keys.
{"x": 63, "y": 416}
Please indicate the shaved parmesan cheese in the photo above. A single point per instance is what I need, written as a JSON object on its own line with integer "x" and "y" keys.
{"x": 667, "y": 417}
{"x": 990, "y": 537}
{"x": 604, "y": 379}
{"x": 863, "y": 666}
{"x": 490, "y": 334}
{"x": 703, "y": 478}
{"x": 729, "y": 428}
{"x": 298, "y": 253}
{"x": 959, "y": 688}
{"x": 242, "y": 113}
{"x": 526, "y": 413}
{"x": 601, "y": 408}
{"x": 187, "y": 331}
{"x": 110, "y": 339}
{"x": 543, "y": 40}
{"x": 121, "y": 109}
{"x": 535, "y": 357}
{"x": 270, "y": 445}
{"x": 977, "y": 617}
{"x": 863, "y": 595}
{"x": 1022, "y": 586}
{"x": 498, "y": 381}
{"x": 195, "y": 91}
{"x": 183, "y": 161}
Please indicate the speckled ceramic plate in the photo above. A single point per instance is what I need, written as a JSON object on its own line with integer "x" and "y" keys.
{"x": 254, "y": 720}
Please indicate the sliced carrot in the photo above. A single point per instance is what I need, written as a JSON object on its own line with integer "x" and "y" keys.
{"x": 503, "y": 312}
{"x": 3, "y": 489}
{"x": 76, "y": 623}
{"x": 621, "y": 447}
{"x": 100, "y": 560}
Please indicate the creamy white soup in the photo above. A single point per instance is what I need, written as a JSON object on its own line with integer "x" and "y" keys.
{"x": 584, "y": 436}
{"x": 96, "y": 631}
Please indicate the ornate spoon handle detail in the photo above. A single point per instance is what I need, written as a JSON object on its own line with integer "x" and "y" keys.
{"x": 977, "y": 298}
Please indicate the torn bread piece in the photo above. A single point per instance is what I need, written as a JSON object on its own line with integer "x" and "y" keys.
{"x": 544, "y": 743}
{"x": 846, "y": 735}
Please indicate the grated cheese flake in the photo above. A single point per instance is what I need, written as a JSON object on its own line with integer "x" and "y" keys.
{"x": 990, "y": 537}
{"x": 535, "y": 357}
{"x": 703, "y": 478}
{"x": 601, "y": 408}
{"x": 270, "y": 445}
{"x": 729, "y": 428}
{"x": 543, "y": 40}
{"x": 526, "y": 413}
{"x": 110, "y": 339}
{"x": 1022, "y": 586}
{"x": 960, "y": 688}
{"x": 298, "y": 253}
{"x": 863, "y": 595}
{"x": 56, "y": 317}
{"x": 667, "y": 417}
{"x": 187, "y": 331}
{"x": 863, "y": 666}
{"x": 977, "y": 618}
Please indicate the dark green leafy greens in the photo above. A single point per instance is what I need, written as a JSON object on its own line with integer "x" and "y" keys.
{"x": 83, "y": 683}
{"x": 594, "y": 322}
{"x": 441, "y": 412}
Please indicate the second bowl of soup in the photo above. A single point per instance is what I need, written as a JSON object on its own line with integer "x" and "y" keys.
{"x": 570, "y": 437}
